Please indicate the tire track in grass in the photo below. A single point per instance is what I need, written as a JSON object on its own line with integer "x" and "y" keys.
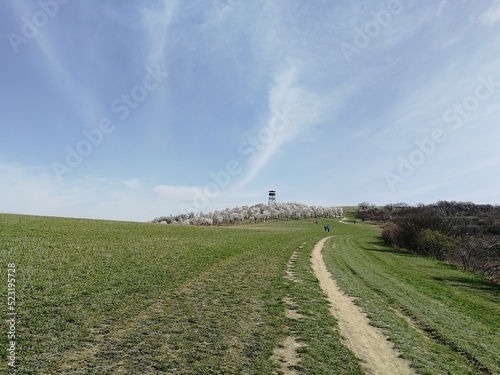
{"x": 87, "y": 357}
{"x": 286, "y": 354}
{"x": 366, "y": 341}
{"x": 212, "y": 322}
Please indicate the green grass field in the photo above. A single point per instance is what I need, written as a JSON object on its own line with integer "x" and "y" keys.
{"x": 443, "y": 320}
{"x": 101, "y": 297}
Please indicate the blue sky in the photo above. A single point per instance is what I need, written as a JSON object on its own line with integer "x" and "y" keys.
{"x": 133, "y": 109}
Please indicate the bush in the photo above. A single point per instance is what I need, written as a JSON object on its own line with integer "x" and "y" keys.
{"x": 389, "y": 234}
{"x": 461, "y": 233}
{"x": 433, "y": 243}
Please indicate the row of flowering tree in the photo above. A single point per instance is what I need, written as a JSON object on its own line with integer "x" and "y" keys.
{"x": 253, "y": 214}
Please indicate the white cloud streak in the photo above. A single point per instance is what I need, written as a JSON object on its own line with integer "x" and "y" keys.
{"x": 157, "y": 24}
{"x": 491, "y": 16}
{"x": 293, "y": 110}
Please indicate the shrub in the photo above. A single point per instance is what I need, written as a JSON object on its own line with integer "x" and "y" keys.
{"x": 389, "y": 234}
{"x": 433, "y": 243}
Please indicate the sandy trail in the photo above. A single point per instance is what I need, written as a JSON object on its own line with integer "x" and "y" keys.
{"x": 366, "y": 342}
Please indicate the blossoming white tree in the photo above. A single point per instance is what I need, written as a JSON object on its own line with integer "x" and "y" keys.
{"x": 252, "y": 214}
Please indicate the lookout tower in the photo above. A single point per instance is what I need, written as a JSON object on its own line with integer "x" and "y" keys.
{"x": 272, "y": 197}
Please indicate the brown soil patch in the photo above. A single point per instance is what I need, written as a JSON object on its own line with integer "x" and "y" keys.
{"x": 293, "y": 314}
{"x": 290, "y": 275}
{"x": 286, "y": 356}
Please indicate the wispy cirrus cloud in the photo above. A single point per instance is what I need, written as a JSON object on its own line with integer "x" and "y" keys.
{"x": 441, "y": 7}
{"x": 491, "y": 16}
{"x": 56, "y": 71}
{"x": 78, "y": 87}
{"x": 156, "y": 22}
{"x": 293, "y": 111}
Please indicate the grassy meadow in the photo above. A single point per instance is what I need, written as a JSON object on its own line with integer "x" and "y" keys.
{"x": 443, "y": 320}
{"x": 102, "y": 297}
{"x": 113, "y": 297}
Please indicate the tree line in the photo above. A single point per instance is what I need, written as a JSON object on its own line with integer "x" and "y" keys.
{"x": 461, "y": 233}
{"x": 253, "y": 214}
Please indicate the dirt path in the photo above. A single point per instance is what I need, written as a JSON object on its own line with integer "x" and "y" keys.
{"x": 366, "y": 342}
